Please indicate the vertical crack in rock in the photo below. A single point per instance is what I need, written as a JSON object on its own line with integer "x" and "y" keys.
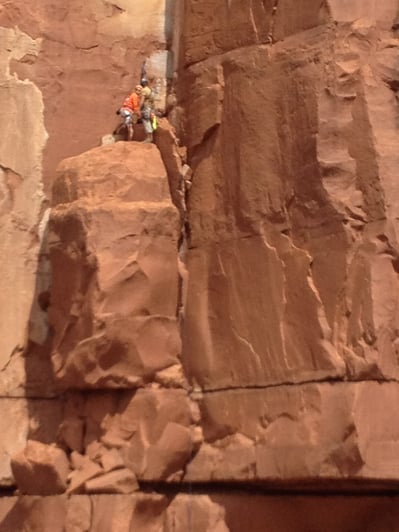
{"x": 273, "y": 21}
{"x": 253, "y": 21}
{"x": 363, "y": 148}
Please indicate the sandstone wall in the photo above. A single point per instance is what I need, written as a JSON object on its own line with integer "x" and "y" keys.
{"x": 291, "y": 129}
{"x": 275, "y": 366}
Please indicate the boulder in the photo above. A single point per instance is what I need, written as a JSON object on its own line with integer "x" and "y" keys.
{"x": 185, "y": 510}
{"x": 85, "y": 469}
{"x": 40, "y": 469}
{"x": 119, "y": 481}
{"x": 170, "y": 453}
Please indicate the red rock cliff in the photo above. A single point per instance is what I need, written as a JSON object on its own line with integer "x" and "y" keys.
{"x": 211, "y": 330}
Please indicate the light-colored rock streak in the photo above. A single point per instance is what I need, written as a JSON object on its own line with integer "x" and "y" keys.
{"x": 22, "y": 139}
{"x": 252, "y": 17}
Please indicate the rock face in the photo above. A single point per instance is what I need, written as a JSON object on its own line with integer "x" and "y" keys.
{"x": 57, "y": 63}
{"x": 292, "y": 250}
{"x": 151, "y": 431}
{"x": 23, "y": 132}
{"x": 222, "y": 313}
{"x": 119, "y": 513}
{"x": 64, "y": 70}
{"x": 40, "y": 469}
{"x": 113, "y": 250}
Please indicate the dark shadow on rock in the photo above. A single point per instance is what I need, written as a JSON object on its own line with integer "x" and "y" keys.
{"x": 30, "y": 513}
{"x": 169, "y": 19}
{"x": 39, "y": 374}
{"x": 44, "y": 401}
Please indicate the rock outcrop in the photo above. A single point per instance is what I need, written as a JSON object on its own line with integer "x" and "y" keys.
{"x": 113, "y": 250}
{"x": 216, "y": 313}
{"x": 40, "y": 469}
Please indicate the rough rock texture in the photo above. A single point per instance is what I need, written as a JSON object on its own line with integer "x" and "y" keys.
{"x": 153, "y": 432}
{"x": 263, "y": 255}
{"x": 59, "y": 65}
{"x": 186, "y": 513}
{"x": 258, "y": 513}
{"x": 90, "y": 56}
{"x": 300, "y": 433}
{"x": 64, "y": 70}
{"x": 107, "y": 513}
{"x": 40, "y": 469}
{"x": 113, "y": 252}
{"x": 291, "y": 128}
{"x": 22, "y": 140}
{"x": 23, "y": 419}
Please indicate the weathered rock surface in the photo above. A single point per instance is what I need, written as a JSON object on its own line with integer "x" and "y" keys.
{"x": 112, "y": 513}
{"x": 334, "y": 431}
{"x": 120, "y": 481}
{"x": 292, "y": 250}
{"x": 292, "y": 258}
{"x": 220, "y": 513}
{"x": 113, "y": 251}
{"x": 152, "y": 432}
{"x": 22, "y": 140}
{"x": 304, "y": 513}
{"x": 20, "y": 420}
{"x": 287, "y": 237}
{"x": 90, "y": 57}
{"x": 40, "y": 469}
{"x": 64, "y": 70}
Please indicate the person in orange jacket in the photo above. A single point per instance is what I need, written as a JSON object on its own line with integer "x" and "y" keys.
{"x": 130, "y": 112}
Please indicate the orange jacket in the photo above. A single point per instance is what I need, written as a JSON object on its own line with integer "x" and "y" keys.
{"x": 132, "y": 102}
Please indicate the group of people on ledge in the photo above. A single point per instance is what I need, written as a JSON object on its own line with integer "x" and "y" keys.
{"x": 138, "y": 106}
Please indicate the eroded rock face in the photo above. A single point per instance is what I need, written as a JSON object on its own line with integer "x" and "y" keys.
{"x": 313, "y": 431}
{"x": 40, "y": 469}
{"x": 22, "y": 132}
{"x": 64, "y": 70}
{"x": 152, "y": 432}
{"x": 107, "y": 513}
{"x": 292, "y": 224}
{"x": 24, "y": 419}
{"x": 90, "y": 57}
{"x": 113, "y": 250}
{"x": 290, "y": 328}
{"x": 292, "y": 237}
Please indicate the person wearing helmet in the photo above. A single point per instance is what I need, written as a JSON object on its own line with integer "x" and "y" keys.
{"x": 146, "y": 109}
{"x": 130, "y": 112}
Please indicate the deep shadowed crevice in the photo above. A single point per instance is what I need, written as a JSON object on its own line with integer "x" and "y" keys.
{"x": 315, "y": 487}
